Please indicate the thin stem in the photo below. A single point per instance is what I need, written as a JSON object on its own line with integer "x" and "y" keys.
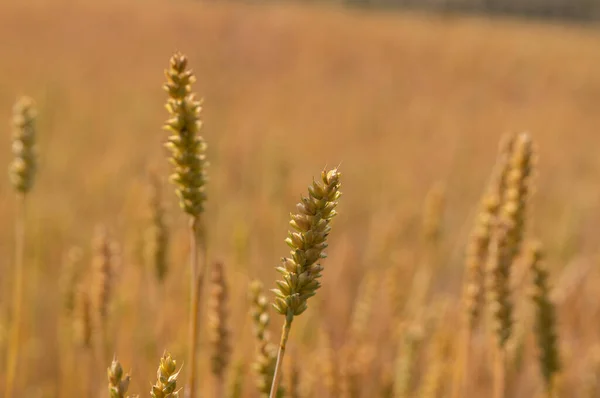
{"x": 285, "y": 333}
{"x": 219, "y": 386}
{"x": 13, "y": 346}
{"x": 197, "y": 241}
{"x": 461, "y": 382}
{"x": 500, "y": 373}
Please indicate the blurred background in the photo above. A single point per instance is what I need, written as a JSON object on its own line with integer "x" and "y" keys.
{"x": 407, "y": 96}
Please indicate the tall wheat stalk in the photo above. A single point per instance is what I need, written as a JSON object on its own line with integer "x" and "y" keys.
{"x": 504, "y": 248}
{"x": 477, "y": 253}
{"x": 21, "y": 172}
{"x": 188, "y": 157}
{"x": 301, "y": 272}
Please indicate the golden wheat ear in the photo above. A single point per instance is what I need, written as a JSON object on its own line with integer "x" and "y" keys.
{"x": 308, "y": 241}
{"x": 545, "y": 318}
{"x": 504, "y": 246}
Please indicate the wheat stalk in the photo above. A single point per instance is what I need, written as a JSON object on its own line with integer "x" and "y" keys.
{"x": 301, "y": 272}
{"x": 21, "y": 172}
{"x": 187, "y": 148}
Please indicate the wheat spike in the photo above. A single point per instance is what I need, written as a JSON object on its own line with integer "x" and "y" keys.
{"x": 117, "y": 384}
{"x": 266, "y": 352}
{"x": 166, "y": 378}
{"x": 217, "y": 325}
{"x": 157, "y": 235}
{"x": 70, "y": 277}
{"x": 24, "y": 165}
{"x": 433, "y": 213}
{"x": 83, "y": 319}
{"x": 187, "y": 146}
{"x": 545, "y": 319}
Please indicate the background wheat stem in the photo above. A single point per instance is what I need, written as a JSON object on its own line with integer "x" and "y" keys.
{"x": 285, "y": 333}
{"x": 194, "y": 307}
{"x": 15, "y": 330}
{"x": 500, "y": 373}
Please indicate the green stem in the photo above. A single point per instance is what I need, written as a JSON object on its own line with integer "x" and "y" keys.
{"x": 197, "y": 241}
{"x": 13, "y": 346}
{"x": 285, "y": 333}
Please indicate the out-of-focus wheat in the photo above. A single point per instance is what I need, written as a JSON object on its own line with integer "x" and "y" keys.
{"x": 217, "y": 327}
{"x": 21, "y": 172}
{"x": 504, "y": 247}
{"x": 266, "y": 352}
{"x": 157, "y": 235}
{"x": 545, "y": 319}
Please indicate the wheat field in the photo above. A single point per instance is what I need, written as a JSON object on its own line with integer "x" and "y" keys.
{"x": 410, "y": 107}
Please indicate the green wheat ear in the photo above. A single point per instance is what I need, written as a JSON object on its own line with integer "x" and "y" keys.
{"x": 166, "y": 376}
{"x": 187, "y": 146}
{"x": 117, "y": 384}
{"x": 301, "y": 271}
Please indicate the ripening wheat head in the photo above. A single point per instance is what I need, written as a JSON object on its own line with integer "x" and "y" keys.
{"x": 217, "y": 322}
{"x": 545, "y": 319}
{"x": 479, "y": 240}
{"x": 23, "y": 167}
{"x": 157, "y": 235}
{"x": 301, "y": 271}
{"x": 185, "y": 143}
{"x": 266, "y": 352}
{"x": 166, "y": 376}
{"x": 117, "y": 384}
{"x": 506, "y": 240}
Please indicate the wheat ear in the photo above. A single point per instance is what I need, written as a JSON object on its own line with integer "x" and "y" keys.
{"x": 157, "y": 234}
{"x": 504, "y": 247}
{"x": 301, "y": 272}
{"x": 477, "y": 257}
{"x": 117, "y": 384}
{"x": 21, "y": 172}
{"x": 166, "y": 378}
{"x": 217, "y": 327}
{"x": 266, "y": 352}
{"x": 545, "y": 319}
{"x": 187, "y": 148}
